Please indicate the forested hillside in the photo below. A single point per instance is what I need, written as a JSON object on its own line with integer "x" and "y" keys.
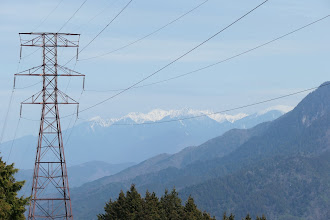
{"x": 278, "y": 168}
{"x": 290, "y": 188}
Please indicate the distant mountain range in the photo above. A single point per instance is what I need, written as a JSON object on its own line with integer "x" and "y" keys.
{"x": 110, "y": 141}
{"x": 279, "y": 168}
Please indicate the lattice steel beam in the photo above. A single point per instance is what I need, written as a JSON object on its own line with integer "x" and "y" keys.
{"x": 50, "y": 194}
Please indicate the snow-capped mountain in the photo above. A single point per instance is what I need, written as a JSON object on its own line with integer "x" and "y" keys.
{"x": 159, "y": 114}
{"x": 102, "y": 140}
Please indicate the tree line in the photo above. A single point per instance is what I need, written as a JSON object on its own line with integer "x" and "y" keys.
{"x": 131, "y": 206}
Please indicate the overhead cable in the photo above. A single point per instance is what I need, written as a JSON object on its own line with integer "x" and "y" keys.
{"x": 121, "y": 11}
{"x": 226, "y": 110}
{"x": 6, "y": 117}
{"x": 50, "y": 13}
{"x": 148, "y": 35}
{"x": 175, "y": 60}
{"x": 13, "y": 140}
{"x": 221, "y": 61}
{"x": 104, "y": 9}
{"x": 71, "y": 16}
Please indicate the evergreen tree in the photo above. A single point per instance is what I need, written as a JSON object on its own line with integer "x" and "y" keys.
{"x": 261, "y": 218}
{"x": 132, "y": 207}
{"x": 11, "y": 207}
{"x": 134, "y": 204}
{"x": 109, "y": 210}
{"x": 151, "y": 207}
{"x": 248, "y": 217}
{"x": 231, "y": 217}
{"x": 191, "y": 211}
{"x": 171, "y": 205}
{"x": 206, "y": 216}
{"x": 121, "y": 207}
{"x": 115, "y": 210}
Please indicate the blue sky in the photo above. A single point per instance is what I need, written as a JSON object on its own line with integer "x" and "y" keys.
{"x": 294, "y": 63}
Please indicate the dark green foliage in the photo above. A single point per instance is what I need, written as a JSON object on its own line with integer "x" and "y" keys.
{"x": 151, "y": 207}
{"x": 193, "y": 213}
{"x": 11, "y": 207}
{"x": 248, "y": 217}
{"x": 231, "y": 217}
{"x": 261, "y": 218}
{"x": 171, "y": 205}
{"x": 191, "y": 210}
{"x": 168, "y": 207}
{"x": 134, "y": 204}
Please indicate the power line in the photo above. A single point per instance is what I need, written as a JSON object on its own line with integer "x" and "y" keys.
{"x": 13, "y": 141}
{"x": 98, "y": 14}
{"x": 25, "y": 87}
{"x": 72, "y": 16}
{"x": 221, "y": 61}
{"x": 97, "y": 36}
{"x": 50, "y": 13}
{"x": 71, "y": 121}
{"x": 148, "y": 35}
{"x": 227, "y": 110}
{"x": 9, "y": 105}
{"x": 6, "y": 117}
{"x": 28, "y": 185}
{"x": 37, "y": 50}
{"x": 219, "y": 112}
{"x": 72, "y": 128}
{"x": 41, "y": 23}
{"x": 26, "y": 56}
{"x": 174, "y": 61}
{"x": 121, "y": 11}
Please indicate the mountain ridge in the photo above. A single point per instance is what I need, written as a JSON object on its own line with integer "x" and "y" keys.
{"x": 301, "y": 135}
{"x": 156, "y": 115}
{"x": 91, "y": 141}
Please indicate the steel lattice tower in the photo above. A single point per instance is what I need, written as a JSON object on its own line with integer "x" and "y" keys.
{"x": 50, "y": 195}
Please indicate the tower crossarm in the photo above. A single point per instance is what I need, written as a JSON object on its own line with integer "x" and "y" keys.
{"x": 37, "y": 40}
{"x": 39, "y": 71}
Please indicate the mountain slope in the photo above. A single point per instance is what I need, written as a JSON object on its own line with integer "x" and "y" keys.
{"x": 214, "y": 148}
{"x": 292, "y": 188}
{"x": 303, "y": 131}
{"x": 301, "y": 135}
{"x": 106, "y": 140}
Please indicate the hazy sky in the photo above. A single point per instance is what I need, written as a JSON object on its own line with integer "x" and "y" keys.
{"x": 297, "y": 62}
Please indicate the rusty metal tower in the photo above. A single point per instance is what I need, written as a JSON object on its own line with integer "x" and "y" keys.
{"x": 50, "y": 195}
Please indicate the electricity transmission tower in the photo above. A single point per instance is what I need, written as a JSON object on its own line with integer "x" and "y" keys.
{"x": 50, "y": 196}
